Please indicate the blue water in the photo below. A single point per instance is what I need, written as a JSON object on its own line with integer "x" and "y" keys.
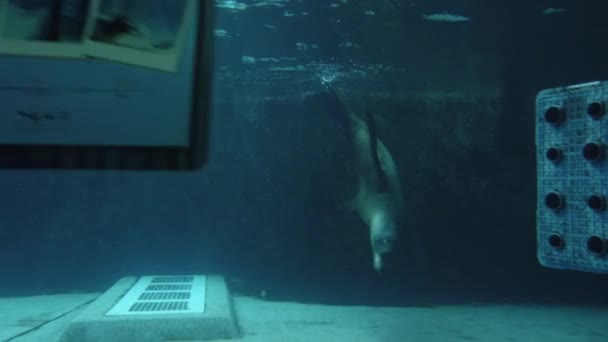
{"x": 455, "y": 105}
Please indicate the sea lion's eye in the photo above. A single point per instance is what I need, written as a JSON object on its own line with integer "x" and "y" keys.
{"x": 383, "y": 244}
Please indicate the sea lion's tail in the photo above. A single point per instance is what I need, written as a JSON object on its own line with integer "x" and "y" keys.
{"x": 333, "y": 104}
{"x": 373, "y": 141}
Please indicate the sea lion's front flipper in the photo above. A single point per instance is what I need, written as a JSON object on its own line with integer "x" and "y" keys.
{"x": 373, "y": 141}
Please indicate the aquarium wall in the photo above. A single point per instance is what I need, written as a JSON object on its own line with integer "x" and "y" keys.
{"x": 454, "y": 102}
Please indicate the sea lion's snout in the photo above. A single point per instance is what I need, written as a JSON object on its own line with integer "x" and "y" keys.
{"x": 383, "y": 252}
{"x": 382, "y": 262}
{"x": 383, "y": 235}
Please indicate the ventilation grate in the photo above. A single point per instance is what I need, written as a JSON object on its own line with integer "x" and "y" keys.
{"x": 163, "y": 295}
{"x": 169, "y": 287}
{"x": 171, "y": 279}
{"x": 159, "y": 306}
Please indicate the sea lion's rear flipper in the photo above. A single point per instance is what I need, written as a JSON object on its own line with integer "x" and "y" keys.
{"x": 373, "y": 141}
{"x": 336, "y": 107}
{"x": 333, "y": 104}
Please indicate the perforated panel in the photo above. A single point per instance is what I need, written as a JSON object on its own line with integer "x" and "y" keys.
{"x": 571, "y": 130}
{"x": 163, "y": 295}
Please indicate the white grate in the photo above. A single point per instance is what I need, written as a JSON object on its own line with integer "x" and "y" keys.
{"x": 163, "y": 295}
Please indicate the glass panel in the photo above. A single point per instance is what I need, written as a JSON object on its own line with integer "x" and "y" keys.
{"x": 378, "y": 156}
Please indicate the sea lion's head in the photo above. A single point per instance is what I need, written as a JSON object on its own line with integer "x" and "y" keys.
{"x": 383, "y": 235}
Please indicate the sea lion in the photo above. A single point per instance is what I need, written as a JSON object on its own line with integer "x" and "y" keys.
{"x": 379, "y": 199}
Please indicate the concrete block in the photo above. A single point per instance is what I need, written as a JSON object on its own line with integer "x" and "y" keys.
{"x": 218, "y": 321}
